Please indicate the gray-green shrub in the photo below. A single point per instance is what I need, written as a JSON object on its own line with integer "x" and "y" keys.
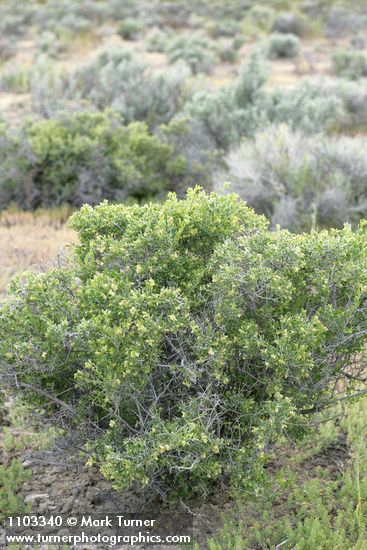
{"x": 235, "y": 111}
{"x": 281, "y": 45}
{"x": 117, "y": 80}
{"x": 349, "y": 64}
{"x": 194, "y": 49}
{"x": 310, "y": 107}
{"x": 289, "y": 23}
{"x": 129, "y": 29}
{"x": 301, "y": 182}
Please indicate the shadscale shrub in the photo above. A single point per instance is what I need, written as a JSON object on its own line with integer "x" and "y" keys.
{"x": 283, "y": 46}
{"x": 182, "y": 339}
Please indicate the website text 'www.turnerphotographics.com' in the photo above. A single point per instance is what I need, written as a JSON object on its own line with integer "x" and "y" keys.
{"x": 98, "y": 530}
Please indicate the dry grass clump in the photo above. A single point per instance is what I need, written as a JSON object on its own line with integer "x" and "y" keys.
{"x": 28, "y": 239}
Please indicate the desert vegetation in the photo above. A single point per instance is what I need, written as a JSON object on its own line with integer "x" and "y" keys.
{"x": 183, "y": 195}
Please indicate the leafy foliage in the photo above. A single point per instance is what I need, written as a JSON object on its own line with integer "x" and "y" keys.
{"x": 84, "y": 157}
{"x": 186, "y": 337}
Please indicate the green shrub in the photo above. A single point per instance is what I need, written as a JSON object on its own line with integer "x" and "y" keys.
{"x": 129, "y": 29}
{"x": 84, "y": 157}
{"x": 283, "y": 46}
{"x": 185, "y": 338}
{"x": 349, "y": 64}
{"x": 194, "y": 50}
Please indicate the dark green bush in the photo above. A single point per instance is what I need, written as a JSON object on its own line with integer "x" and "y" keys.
{"x": 184, "y": 338}
{"x": 84, "y": 157}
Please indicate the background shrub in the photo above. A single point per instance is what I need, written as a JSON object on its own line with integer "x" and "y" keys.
{"x": 309, "y": 107}
{"x": 301, "y": 182}
{"x": 85, "y": 157}
{"x": 234, "y": 111}
{"x": 258, "y": 19}
{"x": 227, "y": 48}
{"x": 341, "y": 20}
{"x": 183, "y": 339}
{"x": 350, "y": 64}
{"x": 117, "y": 80}
{"x": 289, "y": 23}
{"x": 226, "y": 28}
{"x": 7, "y": 50}
{"x": 51, "y": 87}
{"x": 194, "y": 50}
{"x": 156, "y": 41}
{"x": 14, "y": 78}
{"x": 129, "y": 29}
{"x": 283, "y": 45}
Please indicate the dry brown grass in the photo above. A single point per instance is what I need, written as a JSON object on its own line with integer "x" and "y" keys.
{"x": 30, "y": 239}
